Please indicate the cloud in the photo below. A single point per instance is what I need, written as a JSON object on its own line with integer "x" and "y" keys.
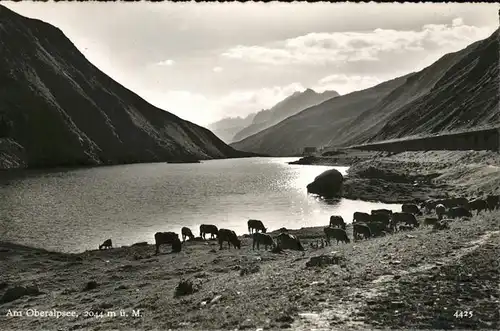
{"x": 344, "y": 84}
{"x": 337, "y": 47}
{"x": 217, "y": 69}
{"x": 244, "y": 102}
{"x": 201, "y": 110}
{"x": 166, "y": 63}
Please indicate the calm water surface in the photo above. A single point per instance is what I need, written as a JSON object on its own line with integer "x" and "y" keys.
{"x": 76, "y": 210}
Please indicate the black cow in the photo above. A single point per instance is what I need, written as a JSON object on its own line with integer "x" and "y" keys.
{"x": 493, "y": 201}
{"x": 377, "y": 229}
{"x": 208, "y": 228}
{"x": 387, "y": 212}
{"x": 186, "y": 233}
{"x": 169, "y": 238}
{"x": 457, "y": 212}
{"x": 256, "y": 225}
{"x": 478, "y": 205}
{"x": 288, "y": 241}
{"x": 336, "y": 233}
{"x": 264, "y": 239}
{"x": 106, "y": 244}
{"x": 361, "y": 229}
{"x": 229, "y": 236}
{"x": 440, "y": 210}
{"x": 411, "y": 208}
{"x": 381, "y": 218}
{"x": 361, "y": 217}
{"x": 337, "y": 221}
{"x": 407, "y": 218}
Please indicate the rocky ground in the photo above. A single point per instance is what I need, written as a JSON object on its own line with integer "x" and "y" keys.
{"x": 415, "y": 176}
{"x": 421, "y": 279}
{"x": 416, "y": 279}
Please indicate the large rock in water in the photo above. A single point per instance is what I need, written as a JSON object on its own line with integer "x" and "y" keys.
{"x": 328, "y": 184}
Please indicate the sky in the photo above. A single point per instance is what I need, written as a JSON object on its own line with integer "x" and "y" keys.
{"x": 207, "y": 61}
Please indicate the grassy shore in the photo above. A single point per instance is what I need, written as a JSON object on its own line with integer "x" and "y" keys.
{"x": 410, "y": 280}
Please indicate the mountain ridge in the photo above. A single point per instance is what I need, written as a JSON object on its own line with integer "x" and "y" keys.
{"x": 265, "y": 118}
{"x": 457, "y": 91}
{"x": 283, "y": 109}
{"x": 63, "y": 111}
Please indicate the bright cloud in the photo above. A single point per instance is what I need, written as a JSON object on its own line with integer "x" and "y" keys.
{"x": 201, "y": 110}
{"x": 344, "y": 84}
{"x": 336, "y": 47}
{"x": 217, "y": 69}
{"x": 166, "y": 63}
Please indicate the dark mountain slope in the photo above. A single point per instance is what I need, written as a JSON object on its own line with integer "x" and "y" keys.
{"x": 283, "y": 109}
{"x": 459, "y": 91}
{"x": 61, "y": 110}
{"x": 317, "y": 125}
{"x": 465, "y": 97}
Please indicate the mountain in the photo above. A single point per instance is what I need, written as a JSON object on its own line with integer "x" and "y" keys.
{"x": 315, "y": 125}
{"x": 57, "y": 109}
{"x": 283, "y": 109}
{"x": 227, "y": 127}
{"x": 457, "y": 92}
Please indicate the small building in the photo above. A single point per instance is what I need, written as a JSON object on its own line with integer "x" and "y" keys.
{"x": 309, "y": 150}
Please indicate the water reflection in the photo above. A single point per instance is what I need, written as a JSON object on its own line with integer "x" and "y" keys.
{"x": 77, "y": 209}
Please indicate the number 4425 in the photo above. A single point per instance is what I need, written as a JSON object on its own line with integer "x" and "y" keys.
{"x": 463, "y": 314}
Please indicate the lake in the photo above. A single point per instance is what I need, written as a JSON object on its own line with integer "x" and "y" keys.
{"x": 75, "y": 210}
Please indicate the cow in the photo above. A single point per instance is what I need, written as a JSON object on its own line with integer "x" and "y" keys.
{"x": 361, "y": 228}
{"x": 256, "y": 225}
{"x": 288, "y": 241}
{"x": 429, "y": 205}
{"x": 336, "y": 233}
{"x": 387, "y": 212}
{"x": 208, "y": 228}
{"x": 106, "y": 244}
{"x": 431, "y": 221}
{"x": 407, "y": 218}
{"x": 457, "y": 212}
{"x": 377, "y": 229}
{"x": 176, "y": 245}
{"x": 440, "y": 210}
{"x": 478, "y": 205}
{"x": 361, "y": 217}
{"x": 411, "y": 208}
{"x": 186, "y": 233}
{"x": 161, "y": 238}
{"x": 381, "y": 218}
{"x": 454, "y": 202}
{"x": 337, "y": 221}
{"x": 262, "y": 238}
{"x": 229, "y": 236}
{"x": 493, "y": 201}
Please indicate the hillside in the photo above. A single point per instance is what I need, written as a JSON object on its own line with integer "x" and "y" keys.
{"x": 465, "y": 96}
{"x": 227, "y": 127}
{"x": 283, "y": 109}
{"x": 57, "y": 109}
{"x": 459, "y": 91}
{"x": 315, "y": 126}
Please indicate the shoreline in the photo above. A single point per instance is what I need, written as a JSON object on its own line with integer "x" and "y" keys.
{"x": 408, "y": 280}
{"x": 415, "y": 176}
{"x": 260, "y": 289}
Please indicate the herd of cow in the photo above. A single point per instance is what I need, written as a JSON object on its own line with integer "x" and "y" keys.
{"x": 378, "y": 223}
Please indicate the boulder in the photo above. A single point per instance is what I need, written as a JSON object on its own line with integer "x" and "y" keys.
{"x": 327, "y": 185}
{"x": 17, "y": 292}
